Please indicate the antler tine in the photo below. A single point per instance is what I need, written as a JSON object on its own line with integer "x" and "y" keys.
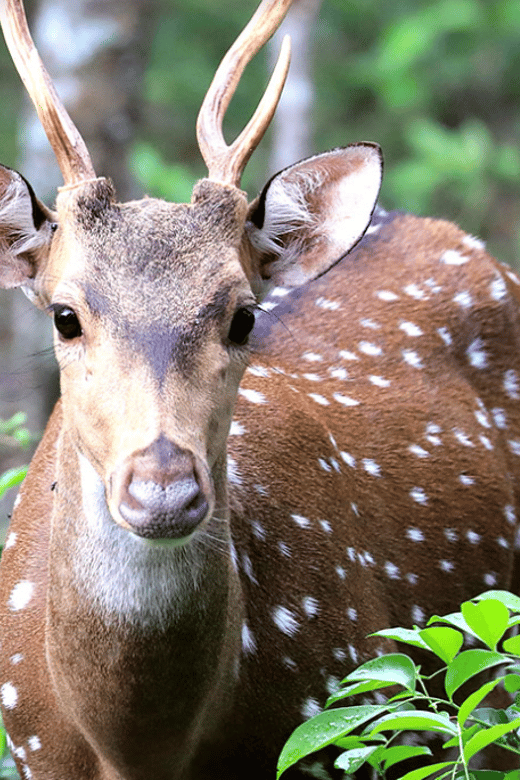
{"x": 69, "y": 147}
{"x": 226, "y": 163}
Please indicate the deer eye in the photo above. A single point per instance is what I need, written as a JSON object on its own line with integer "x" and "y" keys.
{"x": 241, "y": 326}
{"x": 67, "y": 323}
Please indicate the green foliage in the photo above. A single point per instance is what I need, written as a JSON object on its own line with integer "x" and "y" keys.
{"x": 435, "y": 82}
{"x": 369, "y": 734}
{"x": 13, "y": 433}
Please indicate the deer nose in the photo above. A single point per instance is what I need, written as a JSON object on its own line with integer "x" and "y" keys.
{"x": 161, "y": 492}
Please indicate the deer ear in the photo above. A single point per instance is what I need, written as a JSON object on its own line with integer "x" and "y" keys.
{"x": 25, "y": 230}
{"x": 311, "y": 214}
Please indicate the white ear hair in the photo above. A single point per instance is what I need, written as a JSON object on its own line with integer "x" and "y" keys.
{"x": 16, "y": 218}
{"x": 313, "y": 213}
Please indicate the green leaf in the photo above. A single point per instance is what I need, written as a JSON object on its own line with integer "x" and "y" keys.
{"x": 396, "y": 753}
{"x": 509, "y": 600}
{"x": 416, "y": 721}
{"x": 393, "y": 669}
{"x": 11, "y": 478}
{"x": 512, "y": 644}
{"x": 444, "y": 642}
{"x": 487, "y": 736}
{"x": 488, "y": 619}
{"x": 467, "y": 706}
{"x": 426, "y": 771}
{"x": 454, "y": 619}
{"x": 409, "y": 636}
{"x": 512, "y": 683}
{"x": 323, "y": 730}
{"x": 466, "y": 665}
{"x": 354, "y": 759}
{"x": 365, "y": 686}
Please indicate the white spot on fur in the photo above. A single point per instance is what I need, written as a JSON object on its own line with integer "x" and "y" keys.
{"x": 324, "y": 303}
{"x": 418, "y": 615}
{"x": 338, "y": 373}
{"x": 345, "y": 354}
{"x": 414, "y": 292}
{"x": 392, "y": 571}
{"x": 476, "y": 354}
{"x": 387, "y": 295}
{"x": 412, "y": 358}
{"x": 310, "y": 606}
{"x": 473, "y": 537}
{"x": 371, "y": 467}
{"x": 462, "y": 437}
{"x": 352, "y": 614}
{"x": 499, "y": 417}
{"x": 510, "y": 514}
{"x": 285, "y": 621}
{"x": 490, "y": 579}
{"x": 514, "y": 446}
{"x": 312, "y": 357}
{"x": 232, "y": 472}
{"x": 420, "y": 452}
{"x": 9, "y": 696}
{"x": 379, "y": 381}
{"x": 237, "y": 429}
{"x": 365, "y": 322}
{"x": 349, "y": 459}
{"x": 345, "y": 400}
{"x": 498, "y": 288}
{"x": 464, "y": 479}
{"x": 17, "y": 658}
{"x": 419, "y": 495}
{"x": 253, "y": 396}
{"x": 248, "y": 640}
{"x": 410, "y": 328}
{"x": 10, "y": 541}
{"x": 511, "y": 384}
{"x": 302, "y": 521}
{"x": 310, "y": 708}
{"x": 446, "y": 566}
{"x": 463, "y": 299}
{"x": 415, "y": 534}
{"x": 451, "y": 534}
{"x": 368, "y": 348}
{"x": 319, "y": 399}
{"x": 445, "y": 336}
{"x": 452, "y": 257}
{"x": 34, "y": 743}
{"x": 473, "y": 243}
{"x": 284, "y": 549}
{"x": 21, "y": 595}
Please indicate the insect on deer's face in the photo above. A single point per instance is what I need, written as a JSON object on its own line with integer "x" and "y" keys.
{"x": 152, "y": 312}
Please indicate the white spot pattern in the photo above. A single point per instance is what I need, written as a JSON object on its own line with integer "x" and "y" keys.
{"x": 21, "y": 595}
{"x": 285, "y": 621}
{"x": 9, "y": 695}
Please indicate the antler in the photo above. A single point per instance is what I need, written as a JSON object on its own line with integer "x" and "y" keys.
{"x": 226, "y": 163}
{"x": 69, "y": 147}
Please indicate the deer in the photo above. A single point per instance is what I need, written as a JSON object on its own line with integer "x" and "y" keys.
{"x": 284, "y": 424}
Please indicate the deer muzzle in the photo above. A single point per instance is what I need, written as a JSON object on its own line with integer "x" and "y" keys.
{"x": 162, "y": 492}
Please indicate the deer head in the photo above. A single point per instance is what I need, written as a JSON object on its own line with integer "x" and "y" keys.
{"x": 153, "y": 302}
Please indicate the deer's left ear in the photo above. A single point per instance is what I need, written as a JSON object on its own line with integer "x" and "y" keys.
{"x": 25, "y": 230}
{"x": 311, "y": 214}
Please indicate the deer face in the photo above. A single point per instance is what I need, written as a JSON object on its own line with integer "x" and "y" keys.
{"x": 152, "y": 306}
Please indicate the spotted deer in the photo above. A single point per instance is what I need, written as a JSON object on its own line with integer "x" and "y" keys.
{"x": 283, "y": 425}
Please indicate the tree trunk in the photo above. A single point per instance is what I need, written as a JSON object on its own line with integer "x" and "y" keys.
{"x": 292, "y": 124}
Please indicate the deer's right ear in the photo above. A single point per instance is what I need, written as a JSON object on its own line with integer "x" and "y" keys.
{"x": 25, "y": 230}
{"x": 311, "y": 214}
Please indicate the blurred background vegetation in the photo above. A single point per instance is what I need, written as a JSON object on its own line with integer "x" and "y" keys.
{"x": 435, "y": 82}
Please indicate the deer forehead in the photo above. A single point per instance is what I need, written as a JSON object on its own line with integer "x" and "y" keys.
{"x": 151, "y": 262}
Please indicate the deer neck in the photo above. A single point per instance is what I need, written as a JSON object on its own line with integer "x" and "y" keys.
{"x": 120, "y": 608}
